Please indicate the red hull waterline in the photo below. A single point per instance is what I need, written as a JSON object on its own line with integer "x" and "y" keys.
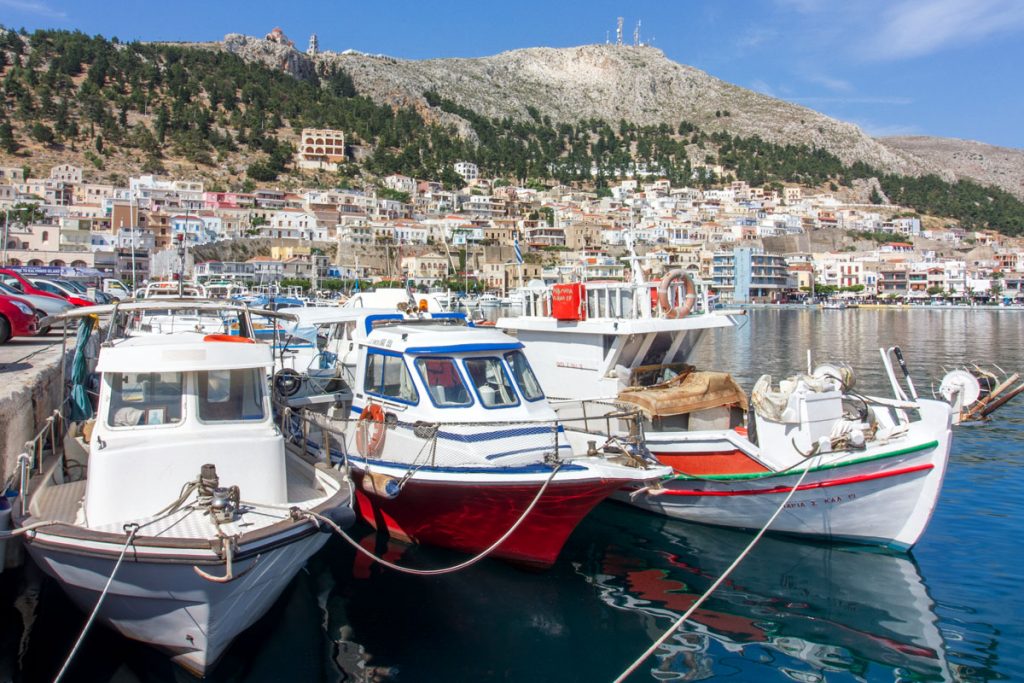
{"x": 471, "y": 517}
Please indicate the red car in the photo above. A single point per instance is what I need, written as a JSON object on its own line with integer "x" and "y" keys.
{"x": 17, "y": 319}
{"x": 15, "y": 280}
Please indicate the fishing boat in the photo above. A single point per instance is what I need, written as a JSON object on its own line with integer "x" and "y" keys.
{"x": 175, "y": 513}
{"x": 452, "y": 442}
{"x": 847, "y": 466}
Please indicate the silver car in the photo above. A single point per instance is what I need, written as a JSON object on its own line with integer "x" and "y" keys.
{"x": 43, "y": 306}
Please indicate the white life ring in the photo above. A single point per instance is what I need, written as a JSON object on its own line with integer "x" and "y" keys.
{"x": 688, "y": 300}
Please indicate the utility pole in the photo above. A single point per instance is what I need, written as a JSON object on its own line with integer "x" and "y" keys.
{"x": 7, "y": 222}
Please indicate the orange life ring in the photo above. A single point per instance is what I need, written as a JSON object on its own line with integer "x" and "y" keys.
{"x": 227, "y": 338}
{"x": 370, "y": 431}
{"x": 688, "y": 300}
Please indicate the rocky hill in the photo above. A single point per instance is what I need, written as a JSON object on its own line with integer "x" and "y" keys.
{"x": 608, "y": 82}
{"x": 988, "y": 164}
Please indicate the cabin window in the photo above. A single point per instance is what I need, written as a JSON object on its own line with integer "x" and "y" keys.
{"x": 444, "y": 382}
{"x": 388, "y": 377}
{"x": 144, "y": 398}
{"x": 492, "y": 383}
{"x": 231, "y": 395}
{"x": 523, "y": 373}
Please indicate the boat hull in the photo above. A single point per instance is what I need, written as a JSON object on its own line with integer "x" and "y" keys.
{"x": 469, "y": 516}
{"x": 168, "y": 605}
{"x": 886, "y": 499}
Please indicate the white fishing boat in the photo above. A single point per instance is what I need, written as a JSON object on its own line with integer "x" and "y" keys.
{"x": 190, "y": 516}
{"x": 489, "y": 300}
{"x": 860, "y": 468}
{"x": 453, "y": 443}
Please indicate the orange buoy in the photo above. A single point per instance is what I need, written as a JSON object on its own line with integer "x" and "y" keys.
{"x": 371, "y": 430}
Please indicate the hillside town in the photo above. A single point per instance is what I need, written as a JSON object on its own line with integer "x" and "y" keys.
{"x": 750, "y": 244}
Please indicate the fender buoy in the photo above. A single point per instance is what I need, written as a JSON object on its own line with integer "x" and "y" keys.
{"x": 227, "y": 338}
{"x": 689, "y": 299}
{"x": 370, "y": 431}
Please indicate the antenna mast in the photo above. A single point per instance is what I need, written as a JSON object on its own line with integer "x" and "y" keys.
{"x": 618, "y": 32}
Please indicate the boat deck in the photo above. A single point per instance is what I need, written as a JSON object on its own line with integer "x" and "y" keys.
{"x": 305, "y": 489}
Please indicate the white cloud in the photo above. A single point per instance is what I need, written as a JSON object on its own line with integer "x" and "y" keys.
{"x": 833, "y": 84}
{"x": 763, "y": 88}
{"x": 35, "y": 7}
{"x": 913, "y": 28}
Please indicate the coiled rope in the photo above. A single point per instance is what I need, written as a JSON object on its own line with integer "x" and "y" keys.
{"x": 718, "y": 582}
{"x": 433, "y": 572}
{"x": 95, "y": 610}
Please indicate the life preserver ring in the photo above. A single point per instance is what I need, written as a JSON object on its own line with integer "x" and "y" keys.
{"x": 689, "y": 299}
{"x": 228, "y": 338}
{"x": 370, "y": 431}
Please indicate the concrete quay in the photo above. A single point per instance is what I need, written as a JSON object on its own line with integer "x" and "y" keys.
{"x": 29, "y": 392}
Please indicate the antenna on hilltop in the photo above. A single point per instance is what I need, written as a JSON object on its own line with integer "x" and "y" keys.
{"x": 618, "y": 33}
{"x": 636, "y": 35}
{"x": 607, "y": 39}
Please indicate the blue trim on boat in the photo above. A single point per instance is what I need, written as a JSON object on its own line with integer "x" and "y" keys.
{"x": 535, "y": 468}
{"x": 371, "y": 319}
{"x": 464, "y": 348}
{"x": 520, "y": 451}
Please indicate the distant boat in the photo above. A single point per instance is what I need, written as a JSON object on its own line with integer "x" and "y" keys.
{"x": 835, "y": 305}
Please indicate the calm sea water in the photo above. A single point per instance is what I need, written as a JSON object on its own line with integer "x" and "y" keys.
{"x": 952, "y": 610}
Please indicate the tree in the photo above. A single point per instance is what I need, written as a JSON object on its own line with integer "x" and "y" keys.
{"x": 875, "y": 198}
{"x": 42, "y": 133}
{"x": 7, "y": 141}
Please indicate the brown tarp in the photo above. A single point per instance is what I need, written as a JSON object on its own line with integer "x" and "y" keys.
{"x": 688, "y": 392}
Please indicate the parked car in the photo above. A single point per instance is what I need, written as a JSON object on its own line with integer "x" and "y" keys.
{"x": 61, "y": 288}
{"x": 43, "y": 305}
{"x": 18, "y": 282}
{"x": 17, "y": 319}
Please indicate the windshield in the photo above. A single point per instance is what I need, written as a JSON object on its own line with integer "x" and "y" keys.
{"x": 14, "y": 284}
{"x": 48, "y": 287}
{"x": 443, "y": 382}
{"x": 75, "y": 286}
{"x": 144, "y": 398}
{"x": 525, "y": 378}
{"x": 231, "y": 395}
{"x": 492, "y": 383}
{"x": 7, "y": 289}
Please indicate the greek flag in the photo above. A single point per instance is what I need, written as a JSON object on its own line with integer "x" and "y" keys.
{"x": 519, "y": 253}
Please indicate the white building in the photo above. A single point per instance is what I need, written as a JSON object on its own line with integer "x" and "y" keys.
{"x": 467, "y": 170}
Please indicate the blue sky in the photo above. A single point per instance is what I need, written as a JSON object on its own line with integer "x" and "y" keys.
{"x": 893, "y": 67}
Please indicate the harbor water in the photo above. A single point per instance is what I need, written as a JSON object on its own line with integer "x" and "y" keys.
{"x": 951, "y": 610}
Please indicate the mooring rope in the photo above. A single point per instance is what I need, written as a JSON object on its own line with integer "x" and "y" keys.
{"x": 95, "y": 610}
{"x": 445, "y": 570}
{"x": 718, "y": 582}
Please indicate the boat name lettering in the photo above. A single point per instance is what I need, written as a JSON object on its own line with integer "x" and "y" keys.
{"x": 576, "y": 364}
{"x": 827, "y": 500}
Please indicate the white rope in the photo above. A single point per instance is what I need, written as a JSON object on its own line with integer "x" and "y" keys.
{"x": 99, "y": 602}
{"x": 746, "y": 551}
{"x": 446, "y": 570}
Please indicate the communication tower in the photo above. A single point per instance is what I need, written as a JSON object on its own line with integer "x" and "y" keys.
{"x": 618, "y": 33}
{"x": 636, "y": 35}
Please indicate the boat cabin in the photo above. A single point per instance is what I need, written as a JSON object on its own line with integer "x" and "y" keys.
{"x": 167, "y": 406}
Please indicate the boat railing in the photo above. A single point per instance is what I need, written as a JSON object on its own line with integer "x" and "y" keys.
{"x": 47, "y": 441}
{"x": 593, "y": 426}
{"x": 614, "y": 300}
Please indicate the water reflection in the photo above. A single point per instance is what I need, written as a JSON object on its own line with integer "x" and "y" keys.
{"x": 808, "y": 610}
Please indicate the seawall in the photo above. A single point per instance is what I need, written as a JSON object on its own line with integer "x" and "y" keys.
{"x": 30, "y": 373}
